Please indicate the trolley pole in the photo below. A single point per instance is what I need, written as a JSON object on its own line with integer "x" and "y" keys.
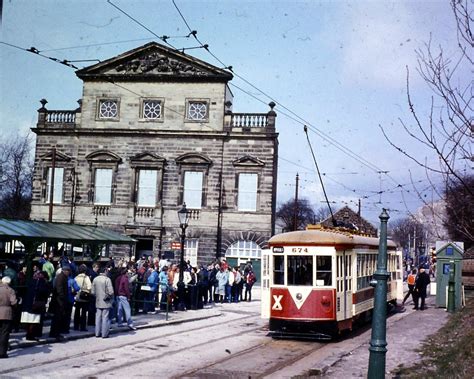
{"x": 378, "y": 341}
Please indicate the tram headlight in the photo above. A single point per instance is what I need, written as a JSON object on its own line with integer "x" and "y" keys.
{"x": 325, "y": 301}
{"x": 299, "y": 296}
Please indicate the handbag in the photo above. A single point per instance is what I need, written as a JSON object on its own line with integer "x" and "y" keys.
{"x": 30, "y": 318}
{"x": 83, "y": 296}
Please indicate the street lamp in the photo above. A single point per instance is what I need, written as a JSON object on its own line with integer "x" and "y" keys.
{"x": 183, "y": 216}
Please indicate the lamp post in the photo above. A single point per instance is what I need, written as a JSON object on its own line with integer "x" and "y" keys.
{"x": 183, "y": 216}
{"x": 378, "y": 341}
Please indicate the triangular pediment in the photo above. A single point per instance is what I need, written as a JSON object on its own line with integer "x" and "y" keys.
{"x": 154, "y": 62}
{"x": 248, "y": 161}
{"x": 147, "y": 158}
{"x": 59, "y": 156}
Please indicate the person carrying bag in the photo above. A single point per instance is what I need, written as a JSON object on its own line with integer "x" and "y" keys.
{"x": 82, "y": 299}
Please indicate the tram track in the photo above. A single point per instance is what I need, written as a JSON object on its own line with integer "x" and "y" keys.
{"x": 271, "y": 344}
{"x": 168, "y": 353}
{"x": 102, "y": 350}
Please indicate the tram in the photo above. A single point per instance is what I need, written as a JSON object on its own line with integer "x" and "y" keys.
{"x": 316, "y": 282}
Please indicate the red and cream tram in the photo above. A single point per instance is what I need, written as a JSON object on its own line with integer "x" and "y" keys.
{"x": 317, "y": 282}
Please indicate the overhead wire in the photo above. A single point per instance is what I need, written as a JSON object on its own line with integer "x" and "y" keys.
{"x": 108, "y": 78}
{"x": 302, "y": 121}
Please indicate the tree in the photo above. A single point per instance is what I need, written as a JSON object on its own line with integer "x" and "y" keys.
{"x": 446, "y": 132}
{"x": 302, "y": 211}
{"x": 408, "y": 233}
{"x": 459, "y": 219}
{"x": 16, "y": 174}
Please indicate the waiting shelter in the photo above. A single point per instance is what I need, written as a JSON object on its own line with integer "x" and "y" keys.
{"x": 449, "y": 257}
{"x": 32, "y": 234}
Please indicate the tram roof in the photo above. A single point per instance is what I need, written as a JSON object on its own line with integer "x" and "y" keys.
{"x": 42, "y": 231}
{"x": 321, "y": 237}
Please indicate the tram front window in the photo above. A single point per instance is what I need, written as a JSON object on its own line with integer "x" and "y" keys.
{"x": 278, "y": 269}
{"x": 323, "y": 271}
{"x": 300, "y": 271}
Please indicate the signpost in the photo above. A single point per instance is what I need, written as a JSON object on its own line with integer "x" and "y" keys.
{"x": 176, "y": 245}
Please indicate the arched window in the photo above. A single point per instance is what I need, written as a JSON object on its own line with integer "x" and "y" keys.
{"x": 244, "y": 249}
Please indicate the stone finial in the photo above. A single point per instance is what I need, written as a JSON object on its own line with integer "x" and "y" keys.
{"x": 79, "y": 108}
{"x": 271, "y": 115}
{"x": 43, "y": 105}
{"x": 271, "y": 112}
{"x": 228, "y": 107}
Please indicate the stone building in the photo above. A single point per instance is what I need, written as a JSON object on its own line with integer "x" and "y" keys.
{"x": 155, "y": 129}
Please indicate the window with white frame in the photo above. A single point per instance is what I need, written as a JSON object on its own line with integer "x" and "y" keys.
{"x": 147, "y": 188}
{"x": 244, "y": 249}
{"x": 58, "y": 185}
{"x": 197, "y": 110}
{"x": 151, "y": 109}
{"x": 103, "y": 186}
{"x": 247, "y": 195}
{"x": 191, "y": 250}
{"x": 107, "y": 109}
{"x": 193, "y": 189}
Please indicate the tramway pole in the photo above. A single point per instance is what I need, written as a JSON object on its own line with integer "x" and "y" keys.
{"x": 378, "y": 341}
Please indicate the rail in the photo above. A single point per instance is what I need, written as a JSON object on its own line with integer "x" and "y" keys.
{"x": 249, "y": 120}
{"x": 60, "y": 117}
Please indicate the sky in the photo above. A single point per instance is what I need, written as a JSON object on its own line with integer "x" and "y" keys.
{"x": 338, "y": 66}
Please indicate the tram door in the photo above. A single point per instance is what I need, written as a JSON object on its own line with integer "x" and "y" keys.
{"x": 266, "y": 271}
{"x": 343, "y": 285}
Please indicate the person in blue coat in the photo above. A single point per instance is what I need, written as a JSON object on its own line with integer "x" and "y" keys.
{"x": 152, "y": 282}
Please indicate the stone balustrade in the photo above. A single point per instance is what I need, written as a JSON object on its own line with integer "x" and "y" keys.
{"x": 60, "y": 117}
{"x": 146, "y": 212}
{"x": 101, "y": 210}
{"x": 249, "y": 120}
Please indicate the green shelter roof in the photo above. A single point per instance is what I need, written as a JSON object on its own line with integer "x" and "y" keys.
{"x": 42, "y": 231}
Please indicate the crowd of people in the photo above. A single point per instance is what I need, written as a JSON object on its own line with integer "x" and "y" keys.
{"x": 100, "y": 294}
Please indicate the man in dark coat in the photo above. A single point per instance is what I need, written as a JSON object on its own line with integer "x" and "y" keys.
{"x": 421, "y": 283}
{"x": 60, "y": 302}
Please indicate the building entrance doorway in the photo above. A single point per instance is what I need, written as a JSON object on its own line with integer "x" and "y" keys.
{"x": 144, "y": 247}
{"x": 242, "y": 251}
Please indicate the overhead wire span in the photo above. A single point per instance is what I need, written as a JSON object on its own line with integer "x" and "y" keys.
{"x": 302, "y": 121}
{"x": 165, "y": 40}
{"x": 35, "y": 51}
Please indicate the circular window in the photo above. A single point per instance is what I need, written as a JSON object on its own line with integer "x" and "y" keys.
{"x": 197, "y": 110}
{"x": 151, "y": 109}
{"x": 108, "y": 109}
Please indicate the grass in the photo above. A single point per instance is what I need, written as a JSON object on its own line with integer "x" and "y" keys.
{"x": 450, "y": 352}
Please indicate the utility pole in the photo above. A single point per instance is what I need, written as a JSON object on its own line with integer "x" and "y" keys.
{"x": 295, "y": 215}
{"x": 51, "y": 185}
{"x": 378, "y": 341}
{"x": 360, "y": 217}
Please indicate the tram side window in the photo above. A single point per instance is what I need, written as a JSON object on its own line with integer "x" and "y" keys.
{"x": 323, "y": 271}
{"x": 300, "y": 271}
{"x": 278, "y": 269}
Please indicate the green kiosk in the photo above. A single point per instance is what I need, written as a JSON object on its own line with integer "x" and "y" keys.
{"x": 448, "y": 255}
